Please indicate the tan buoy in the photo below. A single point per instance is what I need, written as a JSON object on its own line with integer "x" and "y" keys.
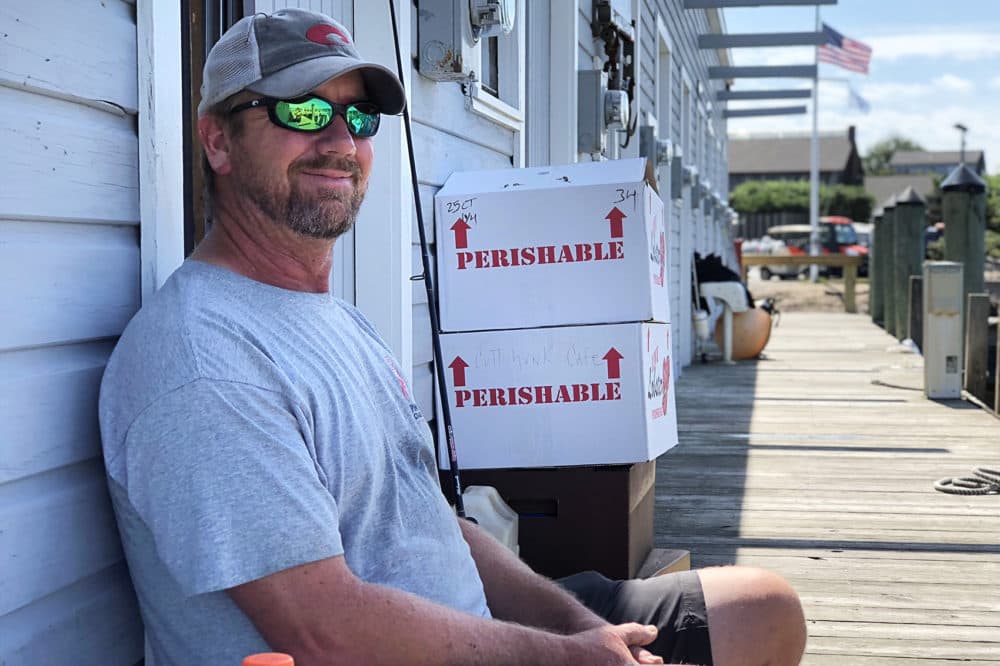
{"x": 751, "y": 331}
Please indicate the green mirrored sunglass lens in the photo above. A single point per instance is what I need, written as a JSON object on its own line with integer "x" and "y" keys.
{"x": 312, "y": 114}
{"x": 361, "y": 122}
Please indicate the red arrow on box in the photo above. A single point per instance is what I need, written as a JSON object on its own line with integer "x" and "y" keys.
{"x": 461, "y": 229}
{"x": 614, "y": 358}
{"x": 458, "y": 367}
{"x": 616, "y": 217}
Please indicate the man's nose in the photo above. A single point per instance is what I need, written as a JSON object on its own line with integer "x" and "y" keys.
{"x": 335, "y": 138}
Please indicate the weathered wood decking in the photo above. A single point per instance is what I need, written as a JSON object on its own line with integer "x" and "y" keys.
{"x": 818, "y": 463}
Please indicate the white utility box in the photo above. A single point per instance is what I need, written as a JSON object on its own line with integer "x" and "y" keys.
{"x": 561, "y": 396}
{"x": 943, "y": 314}
{"x": 551, "y": 246}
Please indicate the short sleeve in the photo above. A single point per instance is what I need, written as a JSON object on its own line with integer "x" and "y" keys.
{"x": 221, "y": 474}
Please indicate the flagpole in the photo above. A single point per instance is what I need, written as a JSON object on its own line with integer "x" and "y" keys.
{"x": 814, "y": 165}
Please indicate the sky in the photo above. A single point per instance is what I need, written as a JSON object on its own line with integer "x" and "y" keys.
{"x": 934, "y": 64}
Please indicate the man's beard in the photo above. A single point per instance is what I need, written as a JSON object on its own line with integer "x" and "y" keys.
{"x": 316, "y": 215}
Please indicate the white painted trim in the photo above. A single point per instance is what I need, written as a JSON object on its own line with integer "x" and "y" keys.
{"x": 507, "y": 109}
{"x": 663, "y": 94}
{"x": 161, "y": 141}
{"x": 664, "y": 43}
{"x": 563, "y": 55}
{"x": 487, "y": 105}
{"x": 685, "y": 133}
{"x": 520, "y": 152}
{"x": 537, "y": 79}
{"x": 383, "y": 235}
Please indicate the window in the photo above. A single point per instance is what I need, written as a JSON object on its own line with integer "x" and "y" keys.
{"x": 491, "y": 69}
{"x": 498, "y": 92}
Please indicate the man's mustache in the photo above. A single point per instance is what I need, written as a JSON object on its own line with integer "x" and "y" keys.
{"x": 330, "y": 164}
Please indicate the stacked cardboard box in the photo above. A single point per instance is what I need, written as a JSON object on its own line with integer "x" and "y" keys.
{"x": 554, "y": 304}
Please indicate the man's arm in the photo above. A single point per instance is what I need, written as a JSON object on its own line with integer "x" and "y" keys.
{"x": 321, "y": 614}
{"x": 514, "y": 592}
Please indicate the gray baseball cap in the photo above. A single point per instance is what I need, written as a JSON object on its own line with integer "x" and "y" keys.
{"x": 290, "y": 53}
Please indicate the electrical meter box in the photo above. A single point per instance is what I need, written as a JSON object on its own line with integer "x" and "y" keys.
{"x": 447, "y": 49}
{"x": 943, "y": 340}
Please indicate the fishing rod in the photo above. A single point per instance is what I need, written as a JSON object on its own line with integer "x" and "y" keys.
{"x": 429, "y": 285}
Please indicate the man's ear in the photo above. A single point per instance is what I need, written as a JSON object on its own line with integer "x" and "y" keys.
{"x": 215, "y": 144}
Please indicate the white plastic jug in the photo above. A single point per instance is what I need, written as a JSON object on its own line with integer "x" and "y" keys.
{"x": 700, "y": 318}
{"x": 493, "y": 514}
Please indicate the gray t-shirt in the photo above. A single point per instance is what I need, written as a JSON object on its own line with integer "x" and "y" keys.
{"x": 248, "y": 429}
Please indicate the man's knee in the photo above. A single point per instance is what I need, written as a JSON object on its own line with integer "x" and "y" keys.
{"x": 754, "y": 616}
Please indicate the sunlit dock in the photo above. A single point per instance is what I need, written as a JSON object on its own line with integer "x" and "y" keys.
{"x": 818, "y": 463}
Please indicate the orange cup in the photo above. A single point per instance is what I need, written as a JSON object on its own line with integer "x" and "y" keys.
{"x": 269, "y": 659}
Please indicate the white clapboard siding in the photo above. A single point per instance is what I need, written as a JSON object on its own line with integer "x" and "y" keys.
{"x": 66, "y": 161}
{"x": 46, "y": 388}
{"x": 76, "y": 49}
{"x": 439, "y": 154}
{"x": 59, "y": 528}
{"x": 433, "y": 103}
{"x": 69, "y": 282}
{"x": 100, "y": 611}
{"x": 66, "y": 282}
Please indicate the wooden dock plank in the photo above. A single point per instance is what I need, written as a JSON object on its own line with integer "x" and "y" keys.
{"x": 818, "y": 463}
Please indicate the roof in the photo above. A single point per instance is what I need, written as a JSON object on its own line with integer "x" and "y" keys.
{"x": 932, "y": 157}
{"x": 883, "y": 187}
{"x": 786, "y": 154}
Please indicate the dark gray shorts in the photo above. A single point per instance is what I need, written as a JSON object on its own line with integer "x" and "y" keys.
{"x": 673, "y": 602}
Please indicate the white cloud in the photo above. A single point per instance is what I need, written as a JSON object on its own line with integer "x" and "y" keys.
{"x": 877, "y": 92}
{"x": 783, "y": 56}
{"x": 953, "y": 83}
{"x": 995, "y": 83}
{"x": 961, "y": 45}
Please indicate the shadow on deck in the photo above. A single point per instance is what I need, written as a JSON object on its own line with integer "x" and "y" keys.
{"x": 818, "y": 463}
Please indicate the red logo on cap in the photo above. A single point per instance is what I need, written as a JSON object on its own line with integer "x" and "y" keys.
{"x": 320, "y": 33}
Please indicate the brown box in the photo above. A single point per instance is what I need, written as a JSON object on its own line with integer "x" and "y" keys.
{"x": 578, "y": 518}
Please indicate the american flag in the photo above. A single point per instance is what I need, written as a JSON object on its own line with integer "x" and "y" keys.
{"x": 844, "y": 51}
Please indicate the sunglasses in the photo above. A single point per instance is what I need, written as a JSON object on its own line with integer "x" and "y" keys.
{"x": 312, "y": 113}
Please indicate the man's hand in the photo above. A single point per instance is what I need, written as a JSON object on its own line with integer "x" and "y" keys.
{"x": 616, "y": 644}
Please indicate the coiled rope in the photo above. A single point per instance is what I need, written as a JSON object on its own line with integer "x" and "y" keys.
{"x": 984, "y": 481}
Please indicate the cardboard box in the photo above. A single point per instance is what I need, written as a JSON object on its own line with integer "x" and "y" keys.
{"x": 577, "y": 244}
{"x": 553, "y": 397}
{"x": 579, "y": 518}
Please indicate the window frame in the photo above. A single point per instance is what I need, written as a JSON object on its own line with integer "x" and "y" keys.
{"x": 507, "y": 108}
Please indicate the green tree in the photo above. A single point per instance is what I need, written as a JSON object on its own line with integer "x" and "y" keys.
{"x": 992, "y": 242}
{"x": 876, "y": 162}
{"x": 993, "y": 216}
{"x": 792, "y": 196}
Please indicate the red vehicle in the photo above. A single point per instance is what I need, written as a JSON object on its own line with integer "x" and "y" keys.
{"x": 836, "y": 236}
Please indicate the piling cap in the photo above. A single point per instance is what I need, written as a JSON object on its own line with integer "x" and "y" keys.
{"x": 909, "y": 197}
{"x": 890, "y": 204}
{"x": 963, "y": 179}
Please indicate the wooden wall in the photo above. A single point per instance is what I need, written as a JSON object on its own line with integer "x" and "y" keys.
{"x": 69, "y": 282}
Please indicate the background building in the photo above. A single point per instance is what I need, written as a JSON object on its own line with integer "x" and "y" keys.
{"x": 786, "y": 157}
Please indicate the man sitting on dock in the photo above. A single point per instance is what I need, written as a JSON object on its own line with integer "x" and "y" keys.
{"x": 274, "y": 484}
